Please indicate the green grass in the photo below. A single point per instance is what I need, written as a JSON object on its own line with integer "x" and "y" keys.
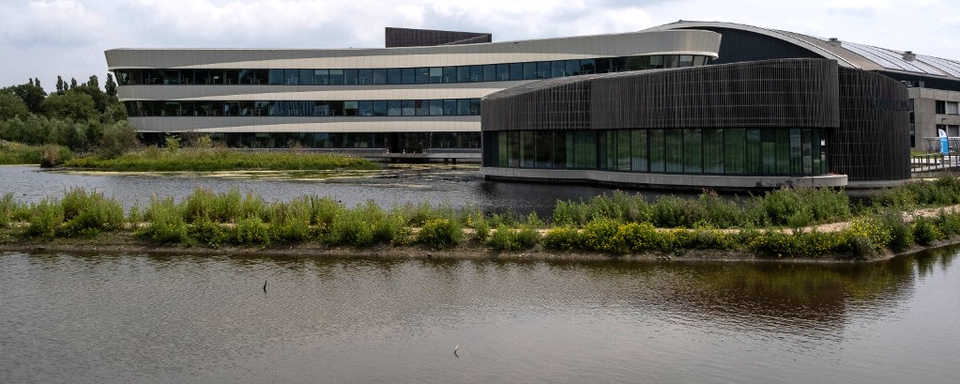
{"x": 617, "y": 224}
{"x": 153, "y": 159}
{"x": 16, "y": 153}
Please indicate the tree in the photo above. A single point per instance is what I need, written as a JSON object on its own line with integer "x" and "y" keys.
{"x": 94, "y": 82}
{"x": 118, "y": 138}
{"x": 111, "y": 86}
{"x": 12, "y": 106}
{"x": 60, "y": 85}
{"x": 31, "y": 94}
{"x": 73, "y": 83}
{"x": 77, "y": 106}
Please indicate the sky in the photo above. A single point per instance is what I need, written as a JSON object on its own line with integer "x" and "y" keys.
{"x": 45, "y": 38}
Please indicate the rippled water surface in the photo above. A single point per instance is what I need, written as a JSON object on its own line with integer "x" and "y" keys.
{"x": 457, "y": 186}
{"x": 94, "y": 318}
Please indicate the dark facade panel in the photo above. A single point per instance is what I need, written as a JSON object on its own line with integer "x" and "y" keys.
{"x": 873, "y": 142}
{"x": 408, "y": 37}
{"x": 775, "y": 93}
{"x": 565, "y": 106}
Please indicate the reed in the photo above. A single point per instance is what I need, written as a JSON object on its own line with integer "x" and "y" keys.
{"x": 154, "y": 159}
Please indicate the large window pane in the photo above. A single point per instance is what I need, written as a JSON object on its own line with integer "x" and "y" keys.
{"x": 561, "y": 142}
{"x": 379, "y": 76}
{"x": 657, "y": 157}
{"x": 394, "y": 108}
{"x": 276, "y": 77}
{"x": 321, "y": 77}
{"x": 366, "y": 108}
{"x": 571, "y": 68}
{"x": 436, "y": 107}
{"x": 449, "y": 74}
{"x": 529, "y": 71}
{"x": 713, "y": 151}
{"x": 365, "y": 76}
{"x": 673, "y": 150}
{"x": 449, "y": 107}
{"x": 379, "y": 108}
{"x": 490, "y": 72}
{"x": 408, "y": 75}
{"x": 735, "y": 151}
{"x": 514, "y": 152}
{"x": 768, "y": 148}
{"x": 336, "y": 77}
{"x": 543, "y": 70}
{"x": 754, "y": 159}
{"x": 351, "y": 77}
{"x": 463, "y": 107}
{"x": 423, "y": 75}
{"x": 463, "y": 74}
{"x": 408, "y": 107}
{"x": 516, "y": 71}
{"x": 623, "y": 150}
{"x": 291, "y": 76}
{"x": 306, "y": 77}
{"x": 544, "y": 143}
{"x": 638, "y": 147}
{"x": 557, "y": 68}
{"x": 527, "y": 149}
{"x": 692, "y": 151}
{"x": 503, "y": 72}
{"x": 436, "y": 75}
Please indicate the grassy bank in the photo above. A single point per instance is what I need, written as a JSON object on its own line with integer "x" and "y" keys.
{"x": 154, "y": 159}
{"x": 779, "y": 224}
{"x": 16, "y": 153}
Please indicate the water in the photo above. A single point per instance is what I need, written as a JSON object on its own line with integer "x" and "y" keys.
{"x": 95, "y": 318}
{"x": 458, "y": 186}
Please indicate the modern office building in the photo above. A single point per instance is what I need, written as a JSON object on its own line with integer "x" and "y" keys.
{"x": 758, "y": 124}
{"x": 685, "y": 104}
{"x": 933, "y": 83}
{"x": 421, "y": 94}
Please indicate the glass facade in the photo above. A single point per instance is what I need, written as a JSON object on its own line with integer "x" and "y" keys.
{"x": 422, "y": 75}
{"x": 715, "y": 151}
{"x": 441, "y": 107}
{"x": 407, "y": 141}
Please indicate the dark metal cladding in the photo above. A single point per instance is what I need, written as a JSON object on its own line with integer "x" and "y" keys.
{"x": 774, "y": 93}
{"x": 864, "y": 115}
{"x": 789, "y": 93}
{"x": 873, "y": 142}
{"x": 409, "y": 37}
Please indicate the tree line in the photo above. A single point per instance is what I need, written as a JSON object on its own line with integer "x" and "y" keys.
{"x": 80, "y": 116}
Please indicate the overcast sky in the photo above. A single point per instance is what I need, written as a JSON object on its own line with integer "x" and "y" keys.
{"x": 46, "y": 38}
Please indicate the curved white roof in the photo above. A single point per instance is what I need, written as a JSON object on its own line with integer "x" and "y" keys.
{"x": 847, "y": 54}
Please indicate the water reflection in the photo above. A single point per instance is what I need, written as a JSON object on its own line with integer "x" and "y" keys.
{"x": 123, "y": 318}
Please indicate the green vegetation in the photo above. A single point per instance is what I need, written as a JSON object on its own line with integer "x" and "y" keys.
{"x": 779, "y": 224}
{"x": 75, "y": 118}
{"x": 218, "y": 159}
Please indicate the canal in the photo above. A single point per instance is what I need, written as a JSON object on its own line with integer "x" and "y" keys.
{"x": 121, "y": 318}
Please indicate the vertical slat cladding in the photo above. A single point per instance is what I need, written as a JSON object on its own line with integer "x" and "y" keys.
{"x": 778, "y": 93}
{"x": 873, "y": 142}
{"x": 406, "y": 37}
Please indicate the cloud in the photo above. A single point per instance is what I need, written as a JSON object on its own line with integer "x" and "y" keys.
{"x": 860, "y": 8}
{"x": 57, "y": 23}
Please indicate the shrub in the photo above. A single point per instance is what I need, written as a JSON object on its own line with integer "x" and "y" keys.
{"x": 89, "y": 213}
{"x": 209, "y": 232}
{"x": 440, "y": 233}
{"x": 596, "y": 235}
{"x": 925, "y": 231}
{"x": 505, "y": 238}
{"x": 949, "y": 223}
{"x": 784, "y": 207}
{"x": 350, "y": 227}
{"x": 634, "y": 237}
{"x": 899, "y": 234}
{"x": 45, "y": 219}
{"x": 718, "y": 212}
{"x": 252, "y": 230}
{"x": 676, "y": 212}
{"x": 166, "y": 225}
{"x": 8, "y": 208}
{"x": 564, "y": 238}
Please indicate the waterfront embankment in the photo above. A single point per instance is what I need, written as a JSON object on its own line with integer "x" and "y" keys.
{"x": 797, "y": 224}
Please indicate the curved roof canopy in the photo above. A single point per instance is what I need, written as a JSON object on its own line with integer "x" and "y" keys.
{"x": 847, "y": 54}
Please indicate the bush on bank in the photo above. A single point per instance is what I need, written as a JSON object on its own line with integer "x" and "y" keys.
{"x": 615, "y": 224}
{"x": 153, "y": 159}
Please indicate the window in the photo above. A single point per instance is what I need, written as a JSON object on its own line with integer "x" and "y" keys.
{"x": 379, "y": 76}
{"x": 941, "y": 107}
{"x": 336, "y": 77}
{"x": 292, "y": 76}
{"x": 529, "y": 71}
{"x": 638, "y": 158}
{"x": 713, "y": 141}
{"x": 365, "y": 76}
{"x": 951, "y": 108}
{"x": 423, "y": 75}
{"x": 351, "y": 76}
{"x": 692, "y": 147}
{"x": 408, "y": 75}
